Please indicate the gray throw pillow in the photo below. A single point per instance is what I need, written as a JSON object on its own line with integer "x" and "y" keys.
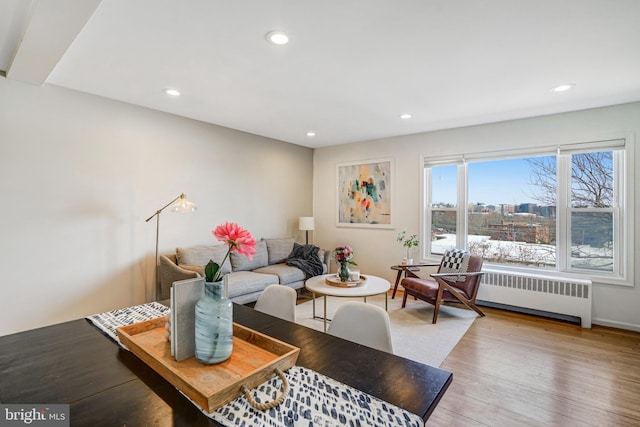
{"x": 240, "y": 262}
{"x": 279, "y": 249}
{"x": 200, "y": 255}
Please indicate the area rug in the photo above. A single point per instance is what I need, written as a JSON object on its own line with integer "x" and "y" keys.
{"x": 412, "y": 333}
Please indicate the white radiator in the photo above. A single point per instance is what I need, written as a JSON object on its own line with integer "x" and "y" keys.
{"x": 562, "y": 295}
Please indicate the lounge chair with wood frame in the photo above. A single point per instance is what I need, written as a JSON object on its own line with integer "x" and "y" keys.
{"x": 445, "y": 289}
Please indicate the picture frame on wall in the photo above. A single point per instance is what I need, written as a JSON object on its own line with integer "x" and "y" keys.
{"x": 365, "y": 194}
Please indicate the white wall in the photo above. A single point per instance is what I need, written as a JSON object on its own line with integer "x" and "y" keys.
{"x": 376, "y": 249}
{"x": 79, "y": 175}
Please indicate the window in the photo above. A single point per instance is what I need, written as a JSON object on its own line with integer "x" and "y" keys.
{"x": 444, "y": 207}
{"x": 593, "y": 211}
{"x": 558, "y": 208}
{"x": 510, "y": 220}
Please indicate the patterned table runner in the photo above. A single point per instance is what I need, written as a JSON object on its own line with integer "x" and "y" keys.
{"x": 313, "y": 400}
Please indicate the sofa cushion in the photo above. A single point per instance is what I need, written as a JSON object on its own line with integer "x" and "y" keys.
{"x": 246, "y": 282}
{"x": 240, "y": 262}
{"x": 279, "y": 249}
{"x": 200, "y": 256}
{"x": 287, "y": 274}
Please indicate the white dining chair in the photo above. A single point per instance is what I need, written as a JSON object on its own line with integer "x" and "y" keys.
{"x": 278, "y": 301}
{"x": 363, "y": 323}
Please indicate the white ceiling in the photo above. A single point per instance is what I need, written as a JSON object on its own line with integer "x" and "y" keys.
{"x": 351, "y": 68}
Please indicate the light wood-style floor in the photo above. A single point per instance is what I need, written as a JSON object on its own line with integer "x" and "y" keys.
{"x": 518, "y": 370}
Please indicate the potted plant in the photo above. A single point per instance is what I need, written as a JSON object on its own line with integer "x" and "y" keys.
{"x": 407, "y": 242}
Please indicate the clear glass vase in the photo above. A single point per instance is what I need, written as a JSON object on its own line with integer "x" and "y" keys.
{"x": 214, "y": 324}
{"x": 343, "y": 272}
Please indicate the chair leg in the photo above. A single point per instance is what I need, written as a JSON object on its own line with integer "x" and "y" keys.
{"x": 404, "y": 298}
{"x": 470, "y": 304}
{"x": 476, "y": 309}
{"x": 467, "y": 303}
{"x": 436, "y": 308}
{"x": 436, "y": 305}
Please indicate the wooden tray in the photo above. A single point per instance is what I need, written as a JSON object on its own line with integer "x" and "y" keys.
{"x": 253, "y": 361}
{"x": 334, "y": 280}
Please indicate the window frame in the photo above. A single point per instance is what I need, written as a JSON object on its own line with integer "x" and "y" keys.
{"x": 622, "y": 211}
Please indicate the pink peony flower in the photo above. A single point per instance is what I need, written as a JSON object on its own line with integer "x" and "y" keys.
{"x": 237, "y": 239}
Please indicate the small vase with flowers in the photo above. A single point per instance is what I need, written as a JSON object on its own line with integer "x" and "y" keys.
{"x": 343, "y": 255}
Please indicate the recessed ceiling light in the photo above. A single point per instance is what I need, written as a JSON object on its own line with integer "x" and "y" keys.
{"x": 563, "y": 87}
{"x": 277, "y": 37}
{"x": 405, "y": 116}
{"x": 171, "y": 92}
{"x": 311, "y": 134}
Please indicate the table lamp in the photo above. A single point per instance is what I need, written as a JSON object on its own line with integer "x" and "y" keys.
{"x": 306, "y": 223}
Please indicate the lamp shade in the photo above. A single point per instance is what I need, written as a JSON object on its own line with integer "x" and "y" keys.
{"x": 182, "y": 205}
{"x": 306, "y": 223}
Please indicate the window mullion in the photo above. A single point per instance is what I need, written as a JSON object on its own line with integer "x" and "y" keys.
{"x": 563, "y": 214}
{"x": 427, "y": 209}
{"x": 619, "y": 219}
{"x": 461, "y": 237}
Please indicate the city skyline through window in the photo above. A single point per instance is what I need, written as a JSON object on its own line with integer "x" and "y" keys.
{"x": 509, "y": 213}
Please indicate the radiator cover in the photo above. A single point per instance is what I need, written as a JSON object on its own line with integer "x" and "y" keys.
{"x": 551, "y": 293}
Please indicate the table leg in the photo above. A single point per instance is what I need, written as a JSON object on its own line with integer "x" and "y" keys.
{"x": 395, "y": 287}
{"x": 386, "y": 301}
{"x": 325, "y": 314}
{"x": 313, "y": 294}
{"x": 365, "y": 299}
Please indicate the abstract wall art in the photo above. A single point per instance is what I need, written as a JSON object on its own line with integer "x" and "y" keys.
{"x": 365, "y": 194}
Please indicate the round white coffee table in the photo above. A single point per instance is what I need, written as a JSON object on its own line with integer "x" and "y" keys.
{"x": 373, "y": 285}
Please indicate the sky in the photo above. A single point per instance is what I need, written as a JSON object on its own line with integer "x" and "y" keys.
{"x": 491, "y": 182}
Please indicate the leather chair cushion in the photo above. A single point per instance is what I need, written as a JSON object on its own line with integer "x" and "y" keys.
{"x": 427, "y": 288}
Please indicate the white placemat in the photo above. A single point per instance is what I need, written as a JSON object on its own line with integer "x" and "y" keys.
{"x": 109, "y": 321}
{"x": 313, "y": 400}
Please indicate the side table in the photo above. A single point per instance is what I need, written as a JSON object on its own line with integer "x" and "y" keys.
{"x": 408, "y": 270}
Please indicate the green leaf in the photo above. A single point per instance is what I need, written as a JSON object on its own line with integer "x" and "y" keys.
{"x": 211, "y": 271}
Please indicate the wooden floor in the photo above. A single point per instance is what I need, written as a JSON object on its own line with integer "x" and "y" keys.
{"x": 518, "y": 370}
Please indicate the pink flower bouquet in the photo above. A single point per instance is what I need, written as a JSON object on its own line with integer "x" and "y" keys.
{"x": 343, "y": 254}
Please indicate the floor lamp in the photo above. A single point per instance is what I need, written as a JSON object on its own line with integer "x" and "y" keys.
{"x": 306, "y": 223}
{"x": 181, "y": 205}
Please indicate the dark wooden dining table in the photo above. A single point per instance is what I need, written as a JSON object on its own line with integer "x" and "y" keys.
{"x": 105, "y": 385}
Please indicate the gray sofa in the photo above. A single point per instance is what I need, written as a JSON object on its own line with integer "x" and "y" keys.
{"x": 246, "y": 278}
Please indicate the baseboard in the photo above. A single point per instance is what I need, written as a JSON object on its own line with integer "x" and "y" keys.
{"x": 539, "y": 313}
{"x": 616, "y": 325}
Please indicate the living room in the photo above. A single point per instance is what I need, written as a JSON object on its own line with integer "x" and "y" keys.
{"x": 81, "y": 173}
{"x": 91, "y": 169}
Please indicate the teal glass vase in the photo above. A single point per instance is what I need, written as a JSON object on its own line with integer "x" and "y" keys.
{"x": 214, "y": 324}
{"x": 343, "y": 272}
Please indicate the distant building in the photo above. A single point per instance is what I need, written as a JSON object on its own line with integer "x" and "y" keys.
{"x": 506, "y": 209}
{"x": 518, "y": 232}
{"x": 527, "y": 208}
{"x": 547, "y": 211}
